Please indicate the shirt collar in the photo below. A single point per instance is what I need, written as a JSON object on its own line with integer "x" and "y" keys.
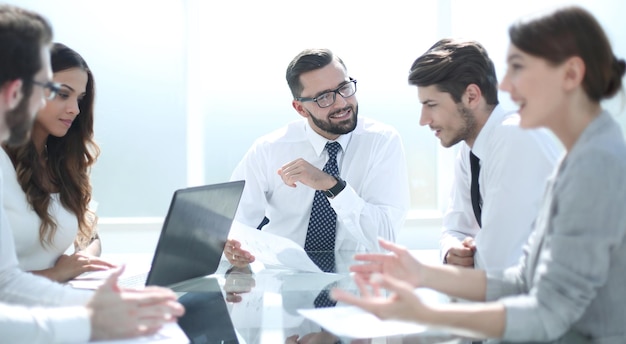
{"x": 481, "y": 144}
{"x": 319, "y": 142}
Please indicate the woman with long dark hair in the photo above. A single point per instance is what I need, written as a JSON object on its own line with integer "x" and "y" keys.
{"x": 47, "y": 192}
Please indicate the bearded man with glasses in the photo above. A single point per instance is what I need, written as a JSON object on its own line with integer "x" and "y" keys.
{"x": 330, "y": 180}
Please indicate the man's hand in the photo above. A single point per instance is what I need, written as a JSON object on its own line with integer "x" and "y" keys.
{"x": 463, "y": 254}
{"x": 117, "y": 313}
{"x": 236, "y": 255}
{"x": 302, "y": 171}
{"x": 238, "y": 281}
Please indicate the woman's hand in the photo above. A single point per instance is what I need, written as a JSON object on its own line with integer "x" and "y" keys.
{"x": 68, "y": 267}
{"x": 401, "y": 304}
{"x": 399, "y": 263}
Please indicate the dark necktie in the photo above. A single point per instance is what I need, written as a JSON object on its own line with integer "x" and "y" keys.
{"x": 326, "y": 262}
{"x": 320, "y": 235}
{"x": 477, "y": 201}
{"x": 323, "y": 299}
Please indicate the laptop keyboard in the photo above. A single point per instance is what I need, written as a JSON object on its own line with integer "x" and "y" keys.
{"x": 133, "y": 281}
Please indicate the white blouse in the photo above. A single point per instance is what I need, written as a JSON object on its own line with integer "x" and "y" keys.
{"x": 24, "y": 223}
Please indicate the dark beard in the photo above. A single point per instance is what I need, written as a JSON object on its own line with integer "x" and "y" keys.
{"x": 340, "y": 128}
{"x": 469, "y": 126}
{"x": 19, "y": 121}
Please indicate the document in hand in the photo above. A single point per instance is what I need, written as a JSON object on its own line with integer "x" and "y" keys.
{"x": 271, "y": 249}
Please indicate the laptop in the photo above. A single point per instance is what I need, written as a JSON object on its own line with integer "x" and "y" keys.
{"x": 193, "y": 235}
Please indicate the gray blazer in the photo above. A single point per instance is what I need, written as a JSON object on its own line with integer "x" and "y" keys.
{"x": 570, "y": 285}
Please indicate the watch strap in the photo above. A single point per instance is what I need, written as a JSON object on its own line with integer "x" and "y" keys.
{"x": 335, "y": 190}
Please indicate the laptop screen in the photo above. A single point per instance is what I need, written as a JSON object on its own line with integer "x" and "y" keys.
{"x": 194, "y": 232}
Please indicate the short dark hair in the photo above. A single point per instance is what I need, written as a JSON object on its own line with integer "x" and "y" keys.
{"x": 567, "y": 32}
{"x": 451, "y": 65}
{"x": 306, "y": 61}
{"x": 22, "y": 35}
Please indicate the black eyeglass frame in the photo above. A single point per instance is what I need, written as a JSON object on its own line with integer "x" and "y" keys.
{"x": 333, "y": 92}
{"x": 52, "y": 87}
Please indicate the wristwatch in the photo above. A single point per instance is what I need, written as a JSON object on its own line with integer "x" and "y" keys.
{"x": 335, "y": 190}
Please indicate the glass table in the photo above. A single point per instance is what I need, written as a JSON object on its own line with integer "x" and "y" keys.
{"x": 260, "y": 304}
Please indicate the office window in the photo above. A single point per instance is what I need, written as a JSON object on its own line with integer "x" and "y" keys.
{"x": 185, "y": 86}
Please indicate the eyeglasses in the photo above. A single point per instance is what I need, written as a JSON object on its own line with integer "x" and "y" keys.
{"x": 327, "y": 99}
{"x": 50, "y": 89}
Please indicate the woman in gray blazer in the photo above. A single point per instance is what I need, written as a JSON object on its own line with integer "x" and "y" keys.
{"x": 569, "y": 286}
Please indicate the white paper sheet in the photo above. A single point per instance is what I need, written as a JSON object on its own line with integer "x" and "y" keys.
{"x": 94, "y": 279}
{"x": 271, "y": 249}
{"x": 354, "y": 322}
{"x": 171, "y": 333}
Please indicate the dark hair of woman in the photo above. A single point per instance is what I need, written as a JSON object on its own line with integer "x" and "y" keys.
{"x": 66, "y": 161}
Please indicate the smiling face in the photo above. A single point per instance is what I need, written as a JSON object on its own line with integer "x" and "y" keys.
{"x": 57, "y": 116}
{"x": 451, "y": 122}
{"x": 536, "y": 87}
{"x": 339, "y": 118}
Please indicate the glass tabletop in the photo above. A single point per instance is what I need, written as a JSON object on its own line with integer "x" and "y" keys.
{"x": 260, "y": 304}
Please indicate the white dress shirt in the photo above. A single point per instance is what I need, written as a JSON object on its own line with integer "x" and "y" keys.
{"x": 371, "y": 161}
{"x": 25, "y": 222}
{"x": 19, "y": 324}
{"x": 32, "y": 325}
{"x": 514, "y": 167}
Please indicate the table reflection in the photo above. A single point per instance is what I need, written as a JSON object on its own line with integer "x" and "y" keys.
{"x": 206, "y": 318}
{"x": 262, "y": 304}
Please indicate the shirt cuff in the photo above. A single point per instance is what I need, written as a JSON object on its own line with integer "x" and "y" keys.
{"x": 348, "y": 201}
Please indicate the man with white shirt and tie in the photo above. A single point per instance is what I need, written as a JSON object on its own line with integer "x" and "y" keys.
{"x": 501, "y": 169}
{"x": 329, "y": 181}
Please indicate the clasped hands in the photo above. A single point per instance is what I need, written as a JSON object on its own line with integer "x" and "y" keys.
{"x": 462, "y": 254}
